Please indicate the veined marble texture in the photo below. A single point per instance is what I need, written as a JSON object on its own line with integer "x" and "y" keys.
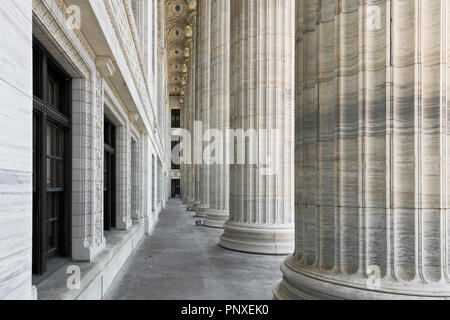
{"x": 203, "y": 94}
{"x": 190, "y": 111}
{"x": 93, "y": 87}
{"x": 197, "y": 115}
{"x": 16, "y": 150}
{"x": 371, "y": 157}
{"x": 262, "y": 97}
{"x": 219, "y": 193}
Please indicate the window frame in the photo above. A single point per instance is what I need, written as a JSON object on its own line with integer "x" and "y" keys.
{"x": 46, "y": 115}
{"x": 109, "y": 183}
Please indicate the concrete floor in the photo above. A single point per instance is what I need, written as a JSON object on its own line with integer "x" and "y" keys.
{"x": 183, "y": 261}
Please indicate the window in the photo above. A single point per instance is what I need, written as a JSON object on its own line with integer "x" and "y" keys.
{"x": 51, "y": 163}
{"x": 109, "y": 179}
{"x": 176, "y": 118}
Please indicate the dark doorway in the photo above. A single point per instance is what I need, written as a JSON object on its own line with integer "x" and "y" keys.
{"x": 176, "y": 192}
{"x": 109, "y": 196}
{"x": 176, "y": 118}
{"x": 52, "y": 154}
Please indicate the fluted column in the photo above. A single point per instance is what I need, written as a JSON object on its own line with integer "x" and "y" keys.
{"x": 184, "y": 102}
{"x": 203, "y": 97}
{"x": 188, "y": 112}
{"x": 193, "y": 168}
{"x": 262, "y": 87}
{"x": 371, "y": 158}
{"x": 183, "y": 166}
{"x": 219, "y": 183}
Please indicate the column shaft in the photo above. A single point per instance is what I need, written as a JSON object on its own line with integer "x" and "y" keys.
{"x": 219, "y": 184}
{"x": 193, "y": 172}
{"x": 262, "y": 98}
{"x": 203, "y": 98}
{"x": 371, "y": 156}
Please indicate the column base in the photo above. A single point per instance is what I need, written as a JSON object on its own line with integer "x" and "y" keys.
{"x": 300, "y": 284}
{"x": 261, "y": 239}
{"x": 216, "y": 218}
{"x": 194, "y": 205}
{"x": 201, "y": 210}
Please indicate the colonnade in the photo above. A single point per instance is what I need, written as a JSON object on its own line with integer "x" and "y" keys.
{"x": 350, "y": 177}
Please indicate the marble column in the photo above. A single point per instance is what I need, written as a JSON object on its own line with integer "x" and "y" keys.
{"x": 182, "y": 165}
{"x": 262, "y": 98}
{"x": 203, "y": 98}
{"x": 371, "y": 156}
{"x": 189, "y": 167}
{"x": 196, "y": 117}
{"x": 185, "y": 106}
{"x": 191, "y": 109}
{"x": 219, "y": 197}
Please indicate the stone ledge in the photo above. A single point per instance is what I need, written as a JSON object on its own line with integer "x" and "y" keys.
{"x": 98, "y": 275}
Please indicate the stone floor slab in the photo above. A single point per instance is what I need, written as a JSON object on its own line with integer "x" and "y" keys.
{"x": 184, "y": 261}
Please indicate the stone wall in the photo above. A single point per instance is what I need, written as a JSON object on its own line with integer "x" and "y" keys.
{"x": 16, "y": 149}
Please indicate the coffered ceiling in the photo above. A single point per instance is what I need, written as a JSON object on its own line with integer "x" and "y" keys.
{"x": 179, "y": 34}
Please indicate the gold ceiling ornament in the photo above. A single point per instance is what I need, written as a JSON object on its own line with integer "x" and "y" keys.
{"x": 187, "y": 52}
{"x": 188, "y": 31}
{"x": 192, "y": 5}
{"x": 189, "y": 43}
{"x": 192, "y": 18}
{"x": 177, "y": 8}
{"x": 180, "y": 24}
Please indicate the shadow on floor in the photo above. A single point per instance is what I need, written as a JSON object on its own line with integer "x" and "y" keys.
{"x": 182, "y": 261}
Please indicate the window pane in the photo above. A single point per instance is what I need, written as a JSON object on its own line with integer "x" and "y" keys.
{"x": 60, "y": 171}
{"x": 53, "y": 87}
{"x": 49, "y": 172}
{"x": 50, "y": 205}
{"x": 52, "y": 235}
{"x": 105, "y": 171}
{"x": 37, "y": 74}
{"x": 60, "y": 144}
{"x": 49, "y": 140}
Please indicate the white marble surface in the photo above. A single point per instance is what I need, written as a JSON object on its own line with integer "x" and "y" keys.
{"x": 97, "y": 275}
{"x": 371, "y": 152}
{"x": 219, "y": 181}
{"x": 15, "y": 149}
{"x": 129, "y": 95}
{"x": 262, "y": 97}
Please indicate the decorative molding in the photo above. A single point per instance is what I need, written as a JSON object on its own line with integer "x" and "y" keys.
{"x": 99, "y": 161}
{"x": 134, "y": 117}
{"x": 106, "y": 66}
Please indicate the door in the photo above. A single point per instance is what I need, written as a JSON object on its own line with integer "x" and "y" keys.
{"x": 175, "y": 188}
